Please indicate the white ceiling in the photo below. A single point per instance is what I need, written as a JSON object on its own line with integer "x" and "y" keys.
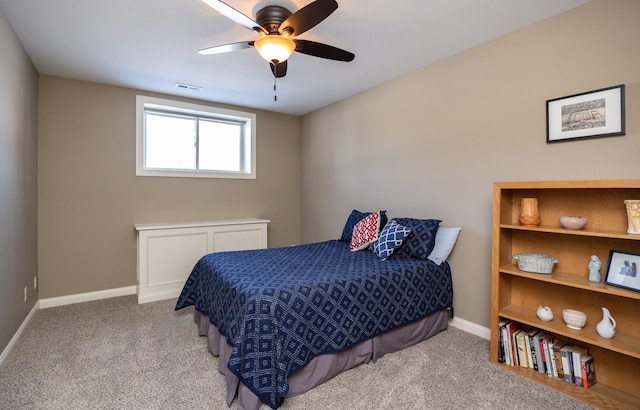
{"x": 152, "y": 44}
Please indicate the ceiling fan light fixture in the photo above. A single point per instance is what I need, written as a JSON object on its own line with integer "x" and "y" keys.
{"x": 275, "y": 48}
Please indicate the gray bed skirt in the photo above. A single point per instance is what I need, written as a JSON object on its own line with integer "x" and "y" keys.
{"x": 324, "y": 367}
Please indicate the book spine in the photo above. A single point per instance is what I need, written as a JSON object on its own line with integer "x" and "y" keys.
{"x": 532, "y": 348}
{"x": 510, "y": 328}
{"x": 514, "y": 348}
{"x": 552, "y": 357}
{"x": 527, "y": 346}
{"x": 505, "y": 343}
{"x": 565, "y": 365}
{"x": 557, "y": 356}
{"x": 543, "y": 368}
{"x": 547, "y": 356}
{"x": 536, "y": 343}
{"x": 571, "y": 370}
{"x": 522, "y": 348}
{"x": 577, "y": 371}
{"x": 500, "y": 342}
{"x": 588, "y": 372}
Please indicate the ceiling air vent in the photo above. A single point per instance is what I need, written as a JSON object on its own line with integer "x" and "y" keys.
{"x": 188, "y": 87}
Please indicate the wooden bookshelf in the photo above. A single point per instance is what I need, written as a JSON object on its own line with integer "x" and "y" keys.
{"x": 516, "y": 295}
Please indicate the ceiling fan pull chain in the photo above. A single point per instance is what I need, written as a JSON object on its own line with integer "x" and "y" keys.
{"x": 275, "y": 89}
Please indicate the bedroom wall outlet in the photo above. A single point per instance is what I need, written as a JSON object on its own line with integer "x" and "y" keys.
{"x": 35, "y": 282}
{"x": 25, "y": 293}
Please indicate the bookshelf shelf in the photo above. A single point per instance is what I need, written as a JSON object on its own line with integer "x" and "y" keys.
{"x": 621, "y": 343}
{"x": 599, "y": 396}
{"x": 516, "y": 295}
{"x": 583, "y": 232}
{"x": 574, "y": 281}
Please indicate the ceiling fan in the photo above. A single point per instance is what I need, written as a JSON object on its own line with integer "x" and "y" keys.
{"x": 277, "y": 27}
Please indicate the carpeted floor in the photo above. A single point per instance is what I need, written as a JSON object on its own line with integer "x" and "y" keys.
{"x": 116, "y": 354}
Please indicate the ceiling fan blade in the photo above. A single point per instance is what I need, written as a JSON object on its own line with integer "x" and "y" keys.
{"x": 279, "y": 70}
{"x": 323, "y": 50}
{"x": 307, "y": 17}
{"x": 225, "y": 48}
{"x": 233, "y": 14}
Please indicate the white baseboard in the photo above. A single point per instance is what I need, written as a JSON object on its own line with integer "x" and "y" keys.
{"x": 471, "y": 327}
{"x": 87, "y": 297}
{"x": 15, "y": 337}
{"x": 156, "y": 296}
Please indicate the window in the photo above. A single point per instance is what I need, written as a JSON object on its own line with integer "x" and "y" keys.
{"x": 175, "y": 139}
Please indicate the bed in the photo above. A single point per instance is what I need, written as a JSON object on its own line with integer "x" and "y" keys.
{"x": 283, "y": 320}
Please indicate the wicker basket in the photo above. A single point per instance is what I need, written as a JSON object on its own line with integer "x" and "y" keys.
{"x": 535, "y": 262}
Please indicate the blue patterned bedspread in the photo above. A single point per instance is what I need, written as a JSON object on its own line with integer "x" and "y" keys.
{"x": 281, "y": 307}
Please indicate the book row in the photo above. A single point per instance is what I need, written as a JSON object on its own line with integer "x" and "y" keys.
{"x": 542, "y": 352}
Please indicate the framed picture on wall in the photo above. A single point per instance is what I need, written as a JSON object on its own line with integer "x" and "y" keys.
{"x": 622, "y": 270}
{"x": 598, "y": 113}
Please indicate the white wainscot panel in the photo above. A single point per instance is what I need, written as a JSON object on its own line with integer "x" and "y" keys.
{"x": 170, "y": 257}
{"x": 237, "y": 240}
{"x": 168, "y": 252}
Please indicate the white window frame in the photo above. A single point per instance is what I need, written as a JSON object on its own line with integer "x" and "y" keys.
{"x": 178, "y": 107}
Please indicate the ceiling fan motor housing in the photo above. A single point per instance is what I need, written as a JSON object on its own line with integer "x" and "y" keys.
{"x": 271, "y": 17}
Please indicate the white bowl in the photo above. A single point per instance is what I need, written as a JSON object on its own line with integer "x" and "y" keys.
{"x": 574, "y": 318}
{"x": 573, "y": 222}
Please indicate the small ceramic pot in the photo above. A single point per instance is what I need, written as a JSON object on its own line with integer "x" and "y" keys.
{"x": 544, "y": 313}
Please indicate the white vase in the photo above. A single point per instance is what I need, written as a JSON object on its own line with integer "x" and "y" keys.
{"x": 607, "y": 326}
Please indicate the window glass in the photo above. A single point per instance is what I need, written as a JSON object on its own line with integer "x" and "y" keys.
{"x": 170, "y": 142}
{"x": 220, "y": 146}
{"x": 176, "y": 139}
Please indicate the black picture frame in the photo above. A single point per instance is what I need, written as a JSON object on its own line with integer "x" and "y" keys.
{"x": 593, "y": 114}
{"x": 623, "y": 270}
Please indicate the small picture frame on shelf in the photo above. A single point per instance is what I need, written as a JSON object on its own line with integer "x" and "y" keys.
{"x": 623, "y": 270}
{"x": 598, "y": 113}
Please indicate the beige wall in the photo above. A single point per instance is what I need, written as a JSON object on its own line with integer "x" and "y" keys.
{"x": 431, "y": 144}
{"x": 89, "y": 197}
{"x": 18, "y": 162}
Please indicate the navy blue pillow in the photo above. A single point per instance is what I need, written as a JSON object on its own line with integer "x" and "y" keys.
{"x": 422, "y": 238}
{"x": 355, "y": 217}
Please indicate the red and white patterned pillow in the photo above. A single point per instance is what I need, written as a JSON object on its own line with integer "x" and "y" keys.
{"x": 365, "y": 232}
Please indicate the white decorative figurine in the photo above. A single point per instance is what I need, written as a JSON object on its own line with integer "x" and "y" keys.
{"x": 594, "y": 269}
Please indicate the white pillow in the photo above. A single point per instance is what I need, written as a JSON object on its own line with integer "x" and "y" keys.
{"x": 445, "y": 240}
